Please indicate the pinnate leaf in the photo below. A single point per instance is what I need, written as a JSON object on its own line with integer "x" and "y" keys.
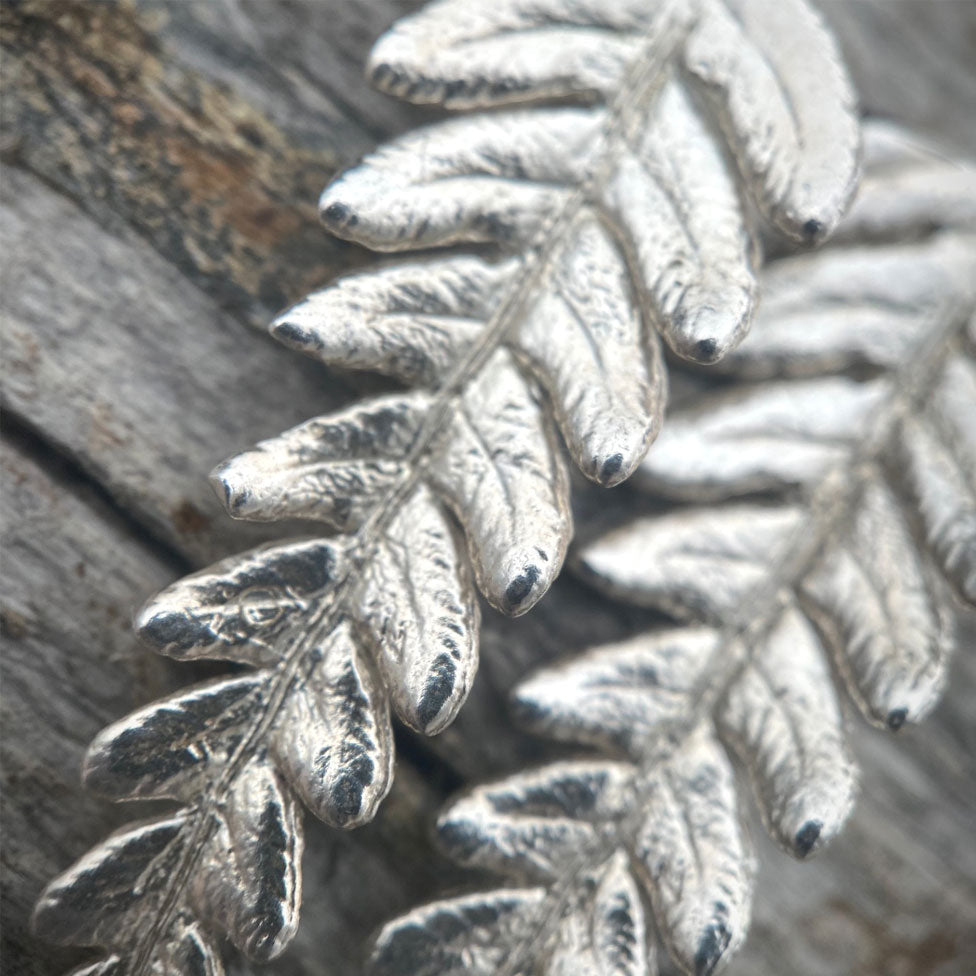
{"x": 607, "y": 218}
{"x": 818, "y": 503}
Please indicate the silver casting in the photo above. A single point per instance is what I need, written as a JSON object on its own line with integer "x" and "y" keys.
{"x": 823, "y": 504}
{"x": 613, "y": 189}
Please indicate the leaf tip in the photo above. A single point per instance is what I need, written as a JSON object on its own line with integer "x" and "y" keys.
{"x": 896, "y": 718}
{"x": 524, "y": 590}
{"x": 712, "y": 949}
{"x": 534, "y": 700}
{"x": 381, "y": 63}
{"x": 808, "y": 838}
{"x": 615, "y": 466}
{"x": 907, "y": 705}
{"x": 165, "y": 630}
{"x": 517, "y": 585}
{"x": 379, "y": 71}
{"x": 812, "y": 227}
{"x": 812, "y": 218}
{"x": 95, "y": 767}
{"x": 456, "y": 834}
{"x": 706, "y": 350}
{"x": 440, "y": 698}
{"x": 353, "y": 797}
{"x": 233, "y": 488}
{"x": 819, "y": 813}
{"x": 531, "y": 702}
{"x": 334, "y": 212}
{"x": 611, "y": 470}
{"x": 713, "y": 330}
{"x": 43, "y": 923}
{"x": 813, "y": 230}
{"x": 351, "y": 803}
{"x": 289, "y": 331}
{"x": 266, "y": 936}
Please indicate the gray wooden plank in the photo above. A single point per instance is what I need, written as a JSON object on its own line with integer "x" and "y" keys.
{"x": 73, "y": 576}
{"x": 912, "y": 60}
{"x": 127, "y": 367}
{"x": 95, "y": 105}
{"x": 299, "y": 62}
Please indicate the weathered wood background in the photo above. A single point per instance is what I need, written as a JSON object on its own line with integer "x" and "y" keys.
{"x": 162, "y": 160}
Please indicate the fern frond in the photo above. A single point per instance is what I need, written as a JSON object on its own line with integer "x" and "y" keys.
{"x": 614, "y": 217}
{"x": 838, "y": 464}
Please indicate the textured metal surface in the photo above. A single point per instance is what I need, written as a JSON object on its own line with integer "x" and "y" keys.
{"x": 333, "y": 737}
{"x": 695, "y": 563}
{"x": 241, "y": 608}
{"x": 783, "y": 719}
{"x": 616, "y": 695}
{"x": 840, "y": 506}
{"x": 699, "y": 864}
{"x": 416, "y": 601}
{"x": 500, "y": 470}
{"x": 334, "y": 469}
{"x": 770, "y": 72}
{"x": 848, "y": 445}
{"x": 615, "y": 220}
{"x": 875, "y": 601}
{"x": 465, "y": 936}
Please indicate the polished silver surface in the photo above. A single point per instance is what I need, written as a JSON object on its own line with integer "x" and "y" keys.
{"x": 499, "y": 468}
{"x": 699, "y": 866}
{"x": 783, "y": 719}
{"x": 683, "y": 847}
{"x": 770, "y": 72}
{"x": 334, "y": 469}
{"x": 416, "y": 600}
{"x": 821, "y": 504}
{"x": 470, "y": 934}
{"x": 609, "y": 221}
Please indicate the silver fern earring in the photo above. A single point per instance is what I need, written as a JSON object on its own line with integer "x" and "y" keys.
{"x": 851, "y": 417}
{"x": 616, "y": 220}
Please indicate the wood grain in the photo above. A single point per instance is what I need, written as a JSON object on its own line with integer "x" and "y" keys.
{"x": 162, "y": 163}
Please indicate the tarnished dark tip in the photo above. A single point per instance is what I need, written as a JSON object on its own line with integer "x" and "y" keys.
{"x": 706, "y": 351}
{"x": 520, "y": 589}
{"x": 897, "y": 718}
{"x": 336, "y": 215}
{"x": 807, "y": 837}
{"x": 268, "y": 938}
{"x": 381, "y": 74}
{"x": 431, "y": 715}
{"x": 711, "y": 948}
{"x": 288, "y": 331}
{"x": 610, "y": 470}
{"x": 525, "y": 710}
{"x": 348, "y": 794}
{"x": 812, "y": 229}
{"x": 455, "y": 835}
{"x": 232, "y": 491}
{"x": 166, "y": 630}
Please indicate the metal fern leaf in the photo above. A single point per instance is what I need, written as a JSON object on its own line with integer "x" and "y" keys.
{"x": 820, "y": 504}
{"x": 611, "y": 217}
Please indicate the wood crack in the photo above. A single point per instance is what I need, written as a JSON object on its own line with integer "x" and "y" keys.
{"x": 66, "y": 468}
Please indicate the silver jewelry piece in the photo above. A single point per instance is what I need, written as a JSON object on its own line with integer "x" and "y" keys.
{"x": 604, "y": 187}
{"x": 852, "y": 420}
